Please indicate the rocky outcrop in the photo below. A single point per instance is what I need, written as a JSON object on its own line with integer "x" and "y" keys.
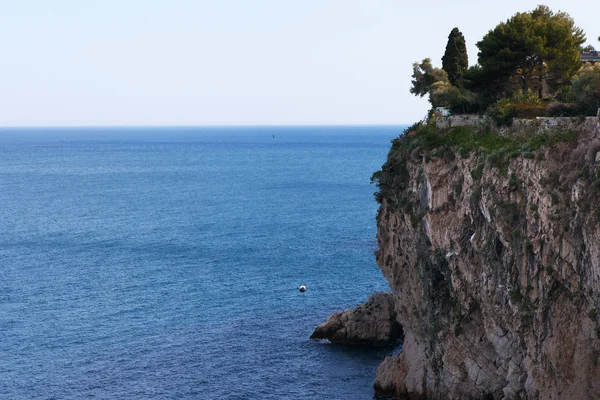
{"x": 493, "y": 257}
{"x": 371, "y": 323}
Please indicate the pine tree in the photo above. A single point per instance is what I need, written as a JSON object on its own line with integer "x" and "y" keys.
{"x": 455, "y": 61}
{"x": 537, "y": 49}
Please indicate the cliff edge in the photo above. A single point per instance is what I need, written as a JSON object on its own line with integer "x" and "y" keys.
{"x": 491, "y": 245}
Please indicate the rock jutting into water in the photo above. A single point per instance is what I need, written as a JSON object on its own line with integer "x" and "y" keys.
{"x": 371, "y": 323}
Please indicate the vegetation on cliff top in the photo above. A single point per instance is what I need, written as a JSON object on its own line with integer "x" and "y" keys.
{"x": 528, "y": 66}
{"x": 529, "y": 62}
{"x": 428, "y": 142}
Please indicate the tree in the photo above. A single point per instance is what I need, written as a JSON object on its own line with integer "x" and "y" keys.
{"x": 585, "y": 88}
{"x": 433, "y": 81}
{"x": 533, "y": 50}
{"x": 424, "y": 76}
{"x": 442, "y": 94}
{"x": 485, "y": 86}
{"x": 455, "y": 60}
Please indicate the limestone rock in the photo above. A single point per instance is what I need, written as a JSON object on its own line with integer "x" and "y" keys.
{"x": 371, "y": 323}
{"x": 496, "y": 276}
{"x": 386, "y": 382}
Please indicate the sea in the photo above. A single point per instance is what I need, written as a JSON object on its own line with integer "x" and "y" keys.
{"x": 164, "y": 263}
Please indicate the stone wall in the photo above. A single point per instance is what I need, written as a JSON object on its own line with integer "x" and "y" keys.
{"x": 547, "y": 123}
{"x": 460, "y": 120}
{"x": 519, "y": 124}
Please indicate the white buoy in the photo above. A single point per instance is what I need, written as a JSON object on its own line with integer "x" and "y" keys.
{"x": 302, "y": 288}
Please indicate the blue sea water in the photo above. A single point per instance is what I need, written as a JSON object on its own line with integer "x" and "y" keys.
{"x": 164, "y": 262}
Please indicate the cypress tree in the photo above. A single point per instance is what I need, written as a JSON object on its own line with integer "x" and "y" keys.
{"x": 455, "y": 61}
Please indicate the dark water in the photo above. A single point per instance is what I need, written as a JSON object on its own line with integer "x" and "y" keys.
{"x": 164, "y": 263}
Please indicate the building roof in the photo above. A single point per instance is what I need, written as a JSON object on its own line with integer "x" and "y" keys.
{"x": 592, "y": 56}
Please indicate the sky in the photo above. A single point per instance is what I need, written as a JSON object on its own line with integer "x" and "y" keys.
{"x": 233, "y": 62}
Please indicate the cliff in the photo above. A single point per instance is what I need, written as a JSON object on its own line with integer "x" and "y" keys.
{"x": 491, "y": 244}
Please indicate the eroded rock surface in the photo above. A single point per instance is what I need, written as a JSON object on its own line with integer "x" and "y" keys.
{"x": 371, "y": 323}
{"x": 494, "y": 263}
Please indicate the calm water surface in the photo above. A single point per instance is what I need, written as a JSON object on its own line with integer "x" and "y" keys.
{"x": 164, "y": 263}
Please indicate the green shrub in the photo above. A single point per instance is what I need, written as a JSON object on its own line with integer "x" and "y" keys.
{"x": 525, "y": 110}
{"x": 584, "y": 88}
{"x": 477, "y": 173}
{"x": 515, "y": 295}
{"x": 557, "y": 109}
{"x": 423, "y": 141}
{"x": 510, "y": 211}
{"x": 528, "y": 105}
{"x": 476, "y": 193}
{"x": 513, "y": 182}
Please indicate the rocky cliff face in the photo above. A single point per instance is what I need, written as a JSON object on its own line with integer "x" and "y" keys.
{"x": 491, "y": 245}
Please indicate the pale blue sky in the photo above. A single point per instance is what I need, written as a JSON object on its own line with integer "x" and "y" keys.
{"x": 232, "y": 62}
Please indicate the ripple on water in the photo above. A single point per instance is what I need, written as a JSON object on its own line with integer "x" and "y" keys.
{"x": 166, "y": 263}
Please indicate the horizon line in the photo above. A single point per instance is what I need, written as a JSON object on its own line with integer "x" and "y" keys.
{"x": 195, "y": 126}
